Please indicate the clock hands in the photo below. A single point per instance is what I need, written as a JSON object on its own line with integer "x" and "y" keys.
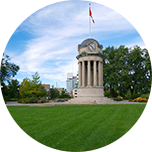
{"x": 91, "y": 46}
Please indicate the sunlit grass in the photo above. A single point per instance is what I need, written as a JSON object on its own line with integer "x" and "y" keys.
{"x": 77, "y": 128}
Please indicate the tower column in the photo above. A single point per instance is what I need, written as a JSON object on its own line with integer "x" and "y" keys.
{"x": 101, "y": 73}
{"x": 83, "y": 74}
{"x": 89, "y": 74}
{"x": 80, "y": 74}
{"x": 95, "y": 73}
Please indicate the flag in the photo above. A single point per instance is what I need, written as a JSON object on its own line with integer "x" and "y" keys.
{"x": 90, "y": 14}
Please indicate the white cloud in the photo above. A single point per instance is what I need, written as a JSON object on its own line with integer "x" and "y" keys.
{"x": 124, "y": 15}
{"x": 55, "y": 28}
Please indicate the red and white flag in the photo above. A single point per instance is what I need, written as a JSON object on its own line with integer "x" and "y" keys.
{"x": 90, "y": 14}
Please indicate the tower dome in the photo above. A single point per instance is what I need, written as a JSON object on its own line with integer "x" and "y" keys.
{"x": 86, "y": 41}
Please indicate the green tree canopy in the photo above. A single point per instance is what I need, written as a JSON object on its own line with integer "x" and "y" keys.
{"x": 36, "y": 78}
{"x": 8, "y": 69}
{"x": 126, "y": 69}
{"x": 136, "y": 69}
{"x": 29, "y": 88}
{"x": 54, "y": 93}
{"x": 13, "y": 88}
{"x": 147, "y": 68}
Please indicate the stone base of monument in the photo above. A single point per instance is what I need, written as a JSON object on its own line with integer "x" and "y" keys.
{"x": 90, "y": 95}
{"x": 91, "y": 100}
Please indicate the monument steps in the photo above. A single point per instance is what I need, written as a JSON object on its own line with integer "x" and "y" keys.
{"x": 91, "y": 100}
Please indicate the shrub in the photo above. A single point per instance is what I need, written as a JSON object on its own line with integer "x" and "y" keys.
{"x": 13, "y": 99}
{"x": 54, "y": 93}
{"x": 145, "y": 96}
{"x": 135, "y": 96}
{"x": 6, "y": 98}
{"x": 115, "y": 94}
{"x": 22, "y": 100}
{"x": 42, "y": 100}
{"x": 64, "y": 95}
{"x": 107, "y": 94}
{"x": 118, "y": 99}
{"x": 32, "y": 100}
{"x": 127, "y": 95}
{"x": 61, "y": 100}
{"x": 140, "y": 99}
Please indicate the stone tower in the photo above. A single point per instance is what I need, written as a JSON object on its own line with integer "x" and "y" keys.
{"x": 90, "y": 62}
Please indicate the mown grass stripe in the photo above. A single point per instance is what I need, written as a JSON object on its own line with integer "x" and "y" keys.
{"x": 77, "y": 127}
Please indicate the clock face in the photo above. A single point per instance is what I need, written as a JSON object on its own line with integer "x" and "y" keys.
{"x": 91, "y": 46}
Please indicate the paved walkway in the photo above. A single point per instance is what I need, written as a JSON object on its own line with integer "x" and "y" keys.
{"x": 68, "y": 103}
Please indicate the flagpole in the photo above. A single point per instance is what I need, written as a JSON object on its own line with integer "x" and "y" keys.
{"x": 89, "y": 24}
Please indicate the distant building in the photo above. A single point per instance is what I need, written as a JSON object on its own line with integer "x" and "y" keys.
{"x": 69, "y": 75}
{"x": 46, "y": 86}
{"x": 71, "y": 82}
{"x": 60, "y": 89}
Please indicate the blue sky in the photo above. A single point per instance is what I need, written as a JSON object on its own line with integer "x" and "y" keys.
{"x": 47, "y": 41}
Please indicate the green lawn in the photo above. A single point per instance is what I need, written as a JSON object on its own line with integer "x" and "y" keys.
{"x": 77, "y": 127}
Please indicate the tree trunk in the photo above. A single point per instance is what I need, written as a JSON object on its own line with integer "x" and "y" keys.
{"x": 112, "y": 92}
{"x": 132, "y": 91}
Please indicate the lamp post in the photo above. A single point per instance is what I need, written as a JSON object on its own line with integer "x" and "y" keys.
{"x": 2, "y": 93}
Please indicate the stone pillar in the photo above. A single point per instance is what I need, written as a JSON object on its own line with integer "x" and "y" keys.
{"x": 95, "y": 73}
{"x": 100, "y": 74}
{"x": 99, "y": 69}
{"x": 83, "y": 74}
{"x": 80, "y": 74}
{"x": 89, "y": 75}
{"x": 86, "y": 73}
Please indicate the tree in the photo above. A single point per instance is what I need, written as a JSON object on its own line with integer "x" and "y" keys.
{"x": 13, "y": 88}
{"x": 26, "y": 88}
{"x": 121, "y": 72}
{"x": 5, "y": 92}
{"x": 29, "y": 88}
{"x": 54, "y": 93}
{"x": 136, "y": 70}
{"x": 126, "y": 69}
{"x": 148, "y": 68}
{"x": 110, "y": 69}
{"x": 8, "y": 69}
{"x": 36, "y": 78}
